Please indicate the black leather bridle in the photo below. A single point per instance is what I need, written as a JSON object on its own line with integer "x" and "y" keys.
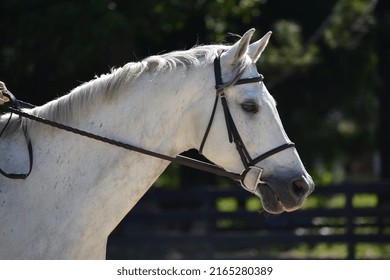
{"x": 248, "y": 162}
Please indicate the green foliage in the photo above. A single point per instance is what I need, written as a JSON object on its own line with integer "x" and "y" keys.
{"x": 372, "y": 251}
{"x": 286, "y": 54}
{"x": 253, "y": 204}
{"x": 330, "y": 202}
{"x": 319, "y": 251}
{"x": 364, "y": 200}
{"x": 227, "y": 204}
{"x": 350, "y": 20}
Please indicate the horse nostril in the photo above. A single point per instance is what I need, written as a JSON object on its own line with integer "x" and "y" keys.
{"x": 300, "y": 187}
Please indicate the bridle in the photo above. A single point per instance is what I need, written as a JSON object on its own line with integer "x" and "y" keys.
{"x": 248, "y": 162}
{"x": 15, "y": 107}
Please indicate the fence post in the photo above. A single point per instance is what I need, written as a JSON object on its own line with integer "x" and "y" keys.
{"x": 209, "y": 223}
{"x": 350, "y": 223}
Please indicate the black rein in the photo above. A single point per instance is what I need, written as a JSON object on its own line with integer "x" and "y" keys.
{"x": 182, "y": 160}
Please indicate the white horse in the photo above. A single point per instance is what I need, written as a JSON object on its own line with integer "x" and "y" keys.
{"x": 80, "y": 189}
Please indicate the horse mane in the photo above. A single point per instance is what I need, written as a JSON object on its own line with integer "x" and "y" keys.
{"x": 103, "y": 88}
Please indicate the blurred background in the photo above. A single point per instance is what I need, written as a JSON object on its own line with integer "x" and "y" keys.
{"x": 327, "y": 65}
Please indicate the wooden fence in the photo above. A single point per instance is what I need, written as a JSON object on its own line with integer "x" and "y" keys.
{"x": 190, "y": 224}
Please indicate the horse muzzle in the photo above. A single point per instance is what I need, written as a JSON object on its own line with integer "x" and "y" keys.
{"x": 278, "y": 194}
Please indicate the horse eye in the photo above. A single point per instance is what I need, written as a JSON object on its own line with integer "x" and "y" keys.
{"x": 250, "y": 107}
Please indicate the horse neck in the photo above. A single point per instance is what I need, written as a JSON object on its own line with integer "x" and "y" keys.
{"x": 149, "y": 113}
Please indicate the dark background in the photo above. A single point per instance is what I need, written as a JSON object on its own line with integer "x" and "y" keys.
{"x": 327, "y": 65}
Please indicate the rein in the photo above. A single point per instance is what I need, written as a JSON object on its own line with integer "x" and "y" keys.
{"x": 182, "y": 160}
{"x": 15, "y": 107}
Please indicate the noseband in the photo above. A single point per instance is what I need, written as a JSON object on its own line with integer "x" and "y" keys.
{"x": 248, "y": 162}
{"x": 249, "y": 178}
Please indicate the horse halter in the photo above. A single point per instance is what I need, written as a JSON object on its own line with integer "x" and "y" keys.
{"x": 248, "y": 162}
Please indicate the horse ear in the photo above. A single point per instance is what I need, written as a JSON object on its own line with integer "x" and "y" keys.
{"x": 258, "y": 47}
{"x": 239, "y": 49}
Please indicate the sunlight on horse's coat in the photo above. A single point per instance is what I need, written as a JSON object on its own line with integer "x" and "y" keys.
{"x": 80, "y": 189}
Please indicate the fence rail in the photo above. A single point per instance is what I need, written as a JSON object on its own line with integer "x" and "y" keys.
{"x": 189, "y": 224}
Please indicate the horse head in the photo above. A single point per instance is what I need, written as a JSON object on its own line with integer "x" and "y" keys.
{"x": 245, "y": 134}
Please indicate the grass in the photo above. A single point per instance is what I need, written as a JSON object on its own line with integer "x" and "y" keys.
{"x": 338, "y": 251}
{"x": 337, "y": 201}
{"x": 323, "y": 226}
{"x": 318, "y": 251}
